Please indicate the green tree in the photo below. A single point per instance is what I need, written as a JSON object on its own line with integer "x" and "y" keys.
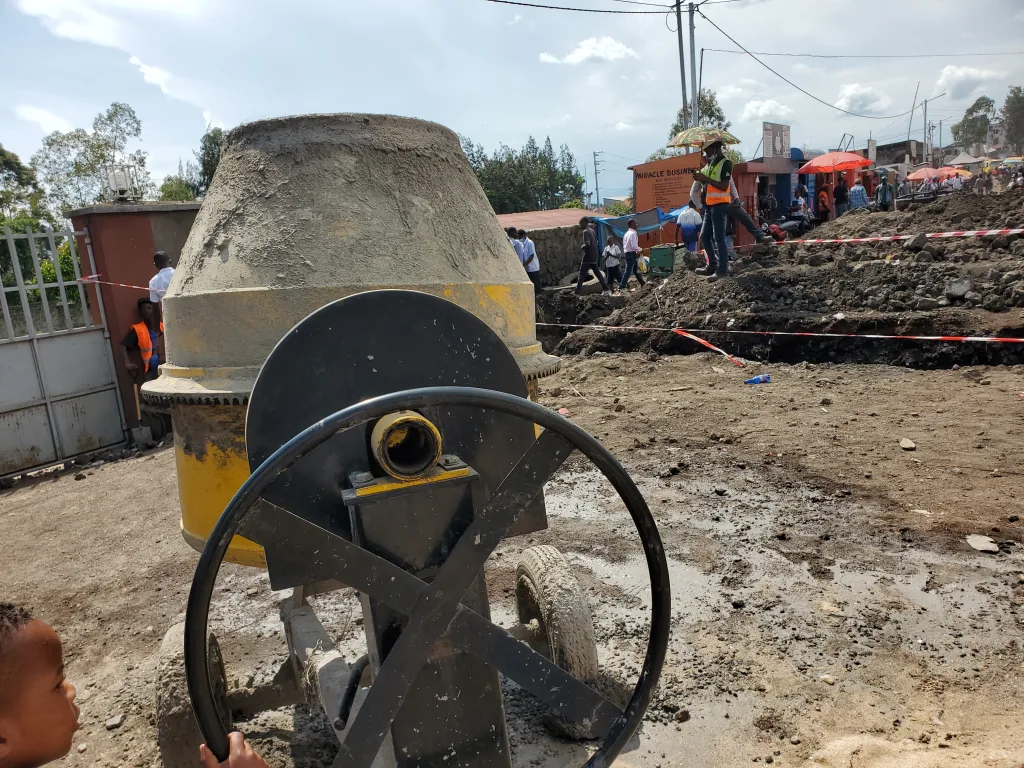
{"x": 72, "y": 165}
{"x": 532, "y": 178}
{"x": 620, "y": 209}
{"x": 176, "y": 187}
{"x": 1012, "y": 116}
{"x": 973, "y": 128}
{"x": 19, "y": 190}
{"x": 709, "y": 112}
{"x": 207, "y": 159}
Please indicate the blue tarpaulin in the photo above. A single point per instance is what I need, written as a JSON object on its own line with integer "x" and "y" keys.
{"x": 646, "y": 221}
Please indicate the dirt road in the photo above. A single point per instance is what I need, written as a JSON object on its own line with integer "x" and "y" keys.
{"x": 827, "y": 610}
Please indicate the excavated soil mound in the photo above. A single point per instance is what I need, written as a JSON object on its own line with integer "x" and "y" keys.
{"x": 901, "y": 296}
{"x": 959, "y": 211}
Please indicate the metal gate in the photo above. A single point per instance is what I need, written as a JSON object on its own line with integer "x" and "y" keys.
{"x": 58, "y": 386}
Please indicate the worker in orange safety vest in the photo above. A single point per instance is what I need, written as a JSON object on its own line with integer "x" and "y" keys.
{"x": 146, "y": 337}
{"x": 715, "y": 200}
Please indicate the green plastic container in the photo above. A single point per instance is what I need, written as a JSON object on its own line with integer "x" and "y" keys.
{"x": 663, "y": 260}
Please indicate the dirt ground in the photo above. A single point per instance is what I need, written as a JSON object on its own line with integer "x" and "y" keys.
{"x": 826, "y": 608}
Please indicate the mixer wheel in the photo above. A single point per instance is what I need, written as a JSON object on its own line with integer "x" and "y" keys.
{"x": 178, "y": 733}
{"x": 547, "y": 593}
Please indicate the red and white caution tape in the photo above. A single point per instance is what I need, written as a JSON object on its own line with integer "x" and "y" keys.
{"x": 689, "y": 334}
{"x": 893, "y": 238}
{"x": 704, "y": 343}
{"x": 91, "y": 280}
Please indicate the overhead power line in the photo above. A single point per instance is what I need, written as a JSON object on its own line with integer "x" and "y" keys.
{"x": 802, "y": 90}
{"x": 664, "y": 8}
{"x": 578, "y": 10}
{"x": 637, "y": 2}
{"x": 869, "y": 55}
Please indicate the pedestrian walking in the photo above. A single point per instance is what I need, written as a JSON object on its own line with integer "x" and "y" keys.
{"x": 613, "y": 262}
{"x": 590, "y": 258}
{"x": 631, "y": 250}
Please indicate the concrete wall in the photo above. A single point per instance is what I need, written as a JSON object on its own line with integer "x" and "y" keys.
{"x": 558, "y": 249}
{"x": 123, "y": 239}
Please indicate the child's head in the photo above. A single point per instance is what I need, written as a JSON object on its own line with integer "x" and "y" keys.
{"x": 38, "y": 716}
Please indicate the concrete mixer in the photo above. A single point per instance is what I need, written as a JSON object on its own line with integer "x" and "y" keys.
{"x": 351, "y": 346}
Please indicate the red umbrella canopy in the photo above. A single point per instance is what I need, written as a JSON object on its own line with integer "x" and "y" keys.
{"x": 834, "y": 161}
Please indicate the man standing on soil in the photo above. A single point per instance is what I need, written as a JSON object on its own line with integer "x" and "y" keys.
{"x": 147, "y": 337}
{"x": 631, "y": 250}
{"x": 715, "y": 199}
{"x": 590, "y": 258}
{"x": 841, "y": 196}
{"x": 858, "y": 195}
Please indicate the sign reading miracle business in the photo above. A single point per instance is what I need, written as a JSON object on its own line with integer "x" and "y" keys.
{"x": 776, "y": 140}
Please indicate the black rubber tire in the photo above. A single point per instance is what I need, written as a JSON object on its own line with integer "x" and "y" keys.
{"x": 591, "y": 286}
{"x": 547, "y": 592}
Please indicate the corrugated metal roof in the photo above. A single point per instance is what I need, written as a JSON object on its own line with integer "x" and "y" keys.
{"x": 529, "y": 220}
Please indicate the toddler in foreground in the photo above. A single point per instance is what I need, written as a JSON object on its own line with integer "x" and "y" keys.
{"x": 38, "y": 714}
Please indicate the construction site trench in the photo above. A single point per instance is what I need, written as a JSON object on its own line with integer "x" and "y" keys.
{"x": 968, "y": 286}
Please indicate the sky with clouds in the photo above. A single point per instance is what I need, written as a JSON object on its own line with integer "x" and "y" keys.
{"x": 496, "y": 73}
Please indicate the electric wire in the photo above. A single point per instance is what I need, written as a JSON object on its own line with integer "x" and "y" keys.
{"x": 869, "y": 55}
{"x": 566, "y": 8}
{"x": 802, "y": 90}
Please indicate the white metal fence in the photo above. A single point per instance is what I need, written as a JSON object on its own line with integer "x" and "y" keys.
{"x": 58, "y": 386}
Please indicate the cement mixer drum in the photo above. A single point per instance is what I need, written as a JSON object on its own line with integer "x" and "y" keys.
{"x": 303, "y": 211}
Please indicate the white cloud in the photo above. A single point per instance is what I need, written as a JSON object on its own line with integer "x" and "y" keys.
{"x": 44, "y": 118}
{"x": 621, "y": 126}
{"x": 744, "y": 88}
{"x": 153, "y": 75}
{"x": 212, "y": 121}
{"x": 762, "y": 110}
{"x": 604, "y": 48}
{"x": 515, "y": 19}
{"x": 96, "y": 21}
{"x": 863, "y": 99}
{"x": 961, "y": 82}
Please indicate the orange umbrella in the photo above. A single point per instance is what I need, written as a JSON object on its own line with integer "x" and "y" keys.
{"x": 940, "y": 173}
{"x": 834, "y": 161}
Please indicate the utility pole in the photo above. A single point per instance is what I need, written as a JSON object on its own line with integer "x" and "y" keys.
{"x": 940, "y": 140}
{"x": 924, "y": 133}
{"x": 693, "y": 68}
{"x": 682, "y": 59}
{"x": 597, "y": 184}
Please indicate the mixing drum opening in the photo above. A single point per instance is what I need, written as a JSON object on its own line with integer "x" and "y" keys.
{"x": 406, "y": 444}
